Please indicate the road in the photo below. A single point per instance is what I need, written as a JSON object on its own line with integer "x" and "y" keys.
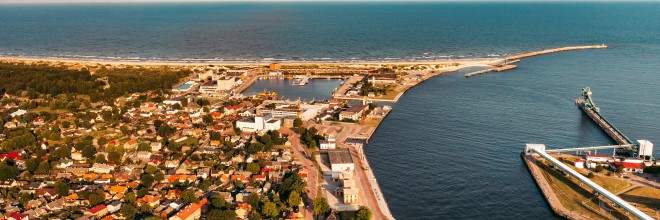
{"x": 312, "y": 177}
{"x": 369, "y": 191}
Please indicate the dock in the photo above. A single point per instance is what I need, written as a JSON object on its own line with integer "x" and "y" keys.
{"x": 588, "y": 107}
{"x": 495, "y": 69}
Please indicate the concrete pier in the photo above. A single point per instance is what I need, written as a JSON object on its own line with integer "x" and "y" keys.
{"x": 555, "y": 50}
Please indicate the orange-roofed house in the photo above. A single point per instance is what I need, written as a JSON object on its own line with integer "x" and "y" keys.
{"x": 173, "y": 193}
{"x": 117, "y": 189}
{"x": 153, "y": 201}
{"x": 132, "y": 185}
{"x": 130, "y": 144}
{"x": 108, "y": 218}
{"x": 191, "y": 212}
{"x": 242, "y": 210}
{"x": 90, "y": 176}
{"x": 216, "y": 115}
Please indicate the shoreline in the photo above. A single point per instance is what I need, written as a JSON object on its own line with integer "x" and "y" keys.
{"x": 237, "y": 63}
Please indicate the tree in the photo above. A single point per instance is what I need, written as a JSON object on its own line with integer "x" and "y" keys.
{"x": 254, "y": 168}
{"x": 100, "y": 158}
{"x": 590, "y": 175}
{"x": 144, "y": 147}
{"x": 114, "y": 157}
{"x": 44, "y": 167}
{"x": 96, "y": 198}
{"x": 270, "y": 210}
{"x": 253, "y": 148}
{"x": 321, "y": 206}
{"x": 159, "y": 176}
{"x": 130, "y": 197}
{"x": 147, "y": 180}
{"x": 89, "y": 152}
{"x": 7, "y": 171}
{"x": 297, "y": 122}
{"x": 128, "y": 210}
{"x": 363, "y": 213}
{"x": 219, "y": 202}
{"x": 151, "y": 169}
{"x": 62, "y": 188}
{"x": 619, "y": 169}
{"x": 254, "y": 214}
{"x": 598, "y": 168}
{"x": 188, "y": 196}
{"x": 253, "y": 199}
{"x": 145, "y": 208}
{"x": 218, "y": 214}
{"x": 32, "y": 164}
{"x": 294, "y": 199}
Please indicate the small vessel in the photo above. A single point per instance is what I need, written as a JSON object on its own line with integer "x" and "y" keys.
{"x": 300, "y": 80}
{"x": 268, "y": 95}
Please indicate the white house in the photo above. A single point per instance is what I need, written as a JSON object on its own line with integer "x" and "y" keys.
{"x": 101, "y": 168}
{"x": 328, "y": 144}
{"x": 18, "y": 113}
{"x": 258, "y": 123}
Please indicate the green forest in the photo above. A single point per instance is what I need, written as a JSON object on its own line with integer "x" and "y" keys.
{"x": 48, "y": 80}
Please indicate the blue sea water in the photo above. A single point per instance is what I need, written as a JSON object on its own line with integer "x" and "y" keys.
{"x": 449, "y": 149}
{"x": 317, "y": 31}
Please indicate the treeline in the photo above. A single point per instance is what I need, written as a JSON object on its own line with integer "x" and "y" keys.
{"x": 16, "y": 79}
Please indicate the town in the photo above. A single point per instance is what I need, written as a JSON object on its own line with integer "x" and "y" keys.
{"x": 193, "y": 148}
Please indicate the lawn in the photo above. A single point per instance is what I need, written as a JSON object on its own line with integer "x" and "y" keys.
{"x": 648, "y": 198}
{"x": 569, "y": 193}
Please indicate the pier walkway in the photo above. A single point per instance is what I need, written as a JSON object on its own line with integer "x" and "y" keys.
{"x": 516, "y": 58}
{"x": 589, "y": 107}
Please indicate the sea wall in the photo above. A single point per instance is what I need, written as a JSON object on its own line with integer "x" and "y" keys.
{"x": 546, "y": 189}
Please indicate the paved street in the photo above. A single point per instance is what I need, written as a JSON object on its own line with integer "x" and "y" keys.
{"x": 312, "y": 178}
{"x": 370, "y": 196}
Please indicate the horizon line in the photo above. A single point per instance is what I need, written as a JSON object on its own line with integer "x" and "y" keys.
{"x": 33, "y": 2}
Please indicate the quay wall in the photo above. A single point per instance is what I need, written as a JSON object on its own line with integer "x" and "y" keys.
{"x": 546, "y": 189}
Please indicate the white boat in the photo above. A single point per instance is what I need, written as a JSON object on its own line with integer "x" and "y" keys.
{"x": 300, "y": 80}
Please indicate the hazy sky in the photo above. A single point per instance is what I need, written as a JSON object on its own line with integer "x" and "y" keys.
{"x": 136, "y": 1}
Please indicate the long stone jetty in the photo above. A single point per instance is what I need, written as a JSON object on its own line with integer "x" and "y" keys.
{"x": 516, "y": 58}
{"x": 561, "y": 49}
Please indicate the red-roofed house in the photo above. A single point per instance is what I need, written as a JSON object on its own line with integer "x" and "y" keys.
{"x": 17, "y": 216}
{"x": 629, "y": 167}
{"x": 98, "y": 211}
{"x": 13, "y": 155}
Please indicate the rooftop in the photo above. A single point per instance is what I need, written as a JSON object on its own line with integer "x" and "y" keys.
{"x": 339, "y": 156}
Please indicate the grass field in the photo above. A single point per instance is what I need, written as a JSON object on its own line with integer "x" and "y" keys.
{"x": 570, "y": 194}
{"x": 646, "y": 198}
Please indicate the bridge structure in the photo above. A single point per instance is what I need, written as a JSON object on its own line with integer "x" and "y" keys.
{"x": 642, "y": 148}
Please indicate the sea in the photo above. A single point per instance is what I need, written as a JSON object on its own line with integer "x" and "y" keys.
{"x": 450, "y": 147}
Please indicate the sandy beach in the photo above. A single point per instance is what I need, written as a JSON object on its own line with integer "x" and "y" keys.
{"x": 83, "y": 62}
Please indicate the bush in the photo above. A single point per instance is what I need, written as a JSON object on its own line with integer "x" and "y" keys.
{"x": 591, "y": 175}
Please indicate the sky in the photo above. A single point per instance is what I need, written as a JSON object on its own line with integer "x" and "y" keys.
{"x": 139, "y": 1}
